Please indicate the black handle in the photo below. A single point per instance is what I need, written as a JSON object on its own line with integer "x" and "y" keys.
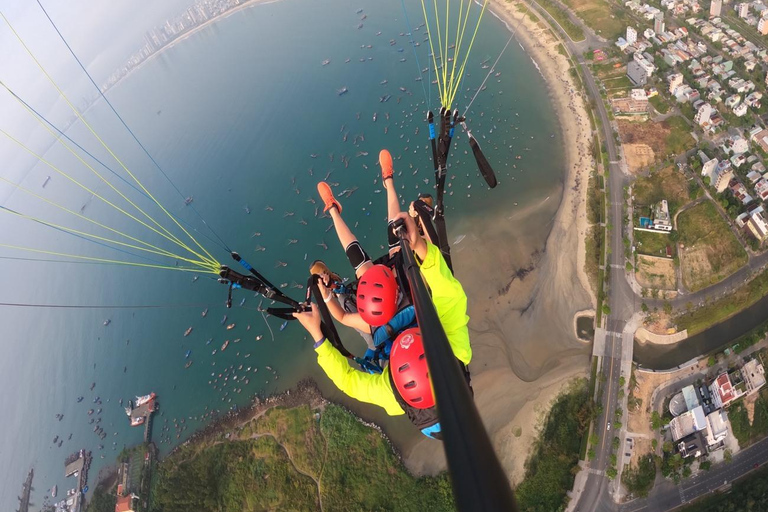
{"x": 482, "y": 163}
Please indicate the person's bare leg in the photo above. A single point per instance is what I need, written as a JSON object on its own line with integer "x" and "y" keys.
{"x": 346, "y": 238}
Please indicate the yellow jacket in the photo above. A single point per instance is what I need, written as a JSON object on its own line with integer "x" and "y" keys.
{"x": 451, "y": 304}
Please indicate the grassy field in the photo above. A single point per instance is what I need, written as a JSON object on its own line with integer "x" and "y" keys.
{"x": 653, "y": 244}
{"x": 711, "y": 251}
{"x": 669, "y": 137}
{"x": 574, "y": 31}
{"x": 606, "y": 19}
{"x": 283, "y": 460}
{"x": 659, "y": 104}
{"x": 679, "y": 138}
{"x": 666, "y": 184}
{"x": 702, "y": 318}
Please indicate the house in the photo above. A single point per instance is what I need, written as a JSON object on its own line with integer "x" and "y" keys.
{"x": 638, "y": 95}
{"x": 704, "y": 114}
{"x": 761, "y": 189}
{"x": 692, "y": 445}
{"x": 738, "y": 160}
{"x": 722, "y": 391}
{"x": 732, "y": 100}
{"x": 740, "y": 110}
{"x": 740, "y": 191}
{"x": 687, "y": 423}
{"x": 636, "y": 74}
{"x": 709, "y": 170}
{"x": 125, "y": 504}
{"x": 738, "y": 145}
{"x": 661, "y": 219}
{"x": 754, "y": 375}
{"x": 717, "y": 428}
{"x": 761, "y": 139}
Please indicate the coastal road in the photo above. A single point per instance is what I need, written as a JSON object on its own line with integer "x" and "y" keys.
{"x": 666, "y": 495}
{"x": 621, "y": 299}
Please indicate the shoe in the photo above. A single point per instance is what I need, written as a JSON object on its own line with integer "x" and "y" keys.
{"x": 326, "y": 194}
{"x": 387, "y": 169}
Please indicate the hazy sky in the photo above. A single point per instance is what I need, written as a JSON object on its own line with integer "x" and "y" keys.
{"x": 103, "y": 34}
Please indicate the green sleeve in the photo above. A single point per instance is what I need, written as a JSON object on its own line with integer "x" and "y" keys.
{"x": 450, "y": 302}
{"x": 366, "y": 387}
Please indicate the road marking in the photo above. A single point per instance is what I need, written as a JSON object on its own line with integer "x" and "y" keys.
{"x": 595, "y": 471}
{"x": 616, "y": 265}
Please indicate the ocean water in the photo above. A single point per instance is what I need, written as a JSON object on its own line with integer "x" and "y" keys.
{"x": 233, "y": 114}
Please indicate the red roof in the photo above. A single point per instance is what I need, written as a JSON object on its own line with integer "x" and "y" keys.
{"x": 724, "y": 388}
{"x": 124, "y": 504}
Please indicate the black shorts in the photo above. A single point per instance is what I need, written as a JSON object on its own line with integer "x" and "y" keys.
{"x": 392, "y": 238}
{"x": 356, "y": 255}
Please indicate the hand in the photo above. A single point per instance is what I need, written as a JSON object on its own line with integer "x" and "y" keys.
{"x": 324, "y": 291}
{"x": 311, "y": 320}
{"x": 417, "y": 243}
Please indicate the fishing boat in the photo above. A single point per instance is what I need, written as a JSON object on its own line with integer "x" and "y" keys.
{"x": 188, "y": 331}
{"x": 224, "y": 345}
{"x": 189, "y": 363}
{"x": 285, "y": 324}
{"x": 44, "y": 184}
{"x": 55, "y": 489}
{"x": 224, "y": 320}
{"x": 107, "y": 321}
{"x": 326, "y": 62}
{"x": 208, "y": 341}
{"x": 343, "y": 90}
{"x": 242, "y": 302}
{"x": 186, "y": 356}
{"x": 230, "y": 326}
{"x": 141, "y": 400}
{"x": 204, "y": 313}
{"x": 375, "y": 115}
{"x": 137, "y": 421}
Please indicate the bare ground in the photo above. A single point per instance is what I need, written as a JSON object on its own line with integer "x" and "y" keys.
{"x": 654, "y": 272}
{"x": 638, "y": 156}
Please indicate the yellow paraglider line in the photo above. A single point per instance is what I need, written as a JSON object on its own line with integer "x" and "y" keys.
{"x": 432, "y": 50}
{"x": 109, "y": 150}
{"x": 469, "y": 50}
{"x": 104, "y": 239}
{"x": 104, "y": 260}
{"x": 73, "y": 180}
{"x": 461, "y": 29}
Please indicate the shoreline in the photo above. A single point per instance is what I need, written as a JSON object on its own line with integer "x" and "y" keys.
{"x": 525, "y": 349}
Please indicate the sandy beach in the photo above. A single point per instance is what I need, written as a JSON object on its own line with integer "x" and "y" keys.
{"x": 523, "y": 303}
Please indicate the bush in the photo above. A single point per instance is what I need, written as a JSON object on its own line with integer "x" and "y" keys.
{"x": 639, "y": 480}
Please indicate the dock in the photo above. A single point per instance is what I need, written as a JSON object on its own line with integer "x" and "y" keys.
{"x": 25, "y": 492}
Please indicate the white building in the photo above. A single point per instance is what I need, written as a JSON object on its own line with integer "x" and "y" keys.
{"x": 717, "y": 427}
{"x": 704, "y": 114}
{"x": 687, "y": 423}
{"x": 715, "y": 7}
{"x": 631, "y": 35}
{"x": 675, "y": 81}
{"x": 762, "y": 26}
{"x": 743, "y": 10}
{"x": 658, "y": 23}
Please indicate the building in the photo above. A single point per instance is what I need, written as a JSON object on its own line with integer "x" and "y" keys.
{"x": 675, "y": 80}
{"x": 710, "y": 171}
{"x": 692, "y": 446}
{"x": 704, "y": 114}
{"x": 740, "y": 110}
{"x": 757, "y": 225}
{"x": 762, "y": 26}
{"x": 661, "y": 219}
{"x": 722, "y": 391}
{"x": 717, "y": 428}
{"x": 715, "y": 7}
{"x": 687, "y": 423}
{"x": 754, "y": 375}
{"x": 723, "y": 178}
{"x": 631, "y": 35}
{"x": 743, "y": 10}
{"x": 658, "y": 23}
{"x": 636, "y": 74}
{"x": 125, "y": 503}
{"x": 761, "y": 139}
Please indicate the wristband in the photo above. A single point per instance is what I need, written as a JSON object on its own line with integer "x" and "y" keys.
{"x": 319, "y": 342}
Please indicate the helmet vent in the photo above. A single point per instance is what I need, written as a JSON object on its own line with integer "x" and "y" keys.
{"x": 404, "y": 367}
{"x": 410, "y": 385}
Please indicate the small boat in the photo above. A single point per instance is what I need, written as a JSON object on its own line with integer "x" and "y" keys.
{"x": 326, "y": 62}
{"x": 186, "y": 356}
{"x": 107, "y": 321}
{"x": 247, "y": 209}
{"x": 223, "y": 320}
{"x": 384, "y": 82}
{"x": 141, "y": 400}
{"x": 187, "y": 332}
{"x": 188, "y": 200}
{"x": 204, "y": 313}
{"x": 214, "y": 352}
{"x": 189, "y": 363}
{"x": 55, "y": 489}
{"x": 194, "y": 279}
{"x": 230, "y": 327}
{"x": 90, "y": 411}
{"x": 285, "y": 324}
{"x": 375, "y": 115}
{"x": 208, "y": 342}
{"x": 242, "y": 302}
{"x": 224, "y": 345}
{"x": 237, "y": 340}
{"x": 343, "y": 90}
{"x": 135, "y": 422}
{"x": 44, "y": 184}
{"x": 80, "y": 399}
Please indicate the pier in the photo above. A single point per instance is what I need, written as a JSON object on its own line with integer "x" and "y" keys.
{"x": 25, "y": 493}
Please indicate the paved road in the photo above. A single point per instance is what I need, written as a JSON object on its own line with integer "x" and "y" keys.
{"x": 666, "y": 495}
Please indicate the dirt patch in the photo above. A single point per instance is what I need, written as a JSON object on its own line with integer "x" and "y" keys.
{"x": 749, "y": 404}
{"x": 658, "y": 322}
{"x": 639, "y": 418}
{"x": 695, "y": 265}
{"x": 648, "y": 133}
{"x": 657, "y": 273}
{"x": 643, "y": 447}
{"x": 638, "y": 156}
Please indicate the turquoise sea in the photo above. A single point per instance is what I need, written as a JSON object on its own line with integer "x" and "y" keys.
{"x": 233, "y": 114}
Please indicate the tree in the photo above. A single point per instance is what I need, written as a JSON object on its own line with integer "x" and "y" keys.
{"x": 622, "y": 381}
{"x": 655, "y": 420}
{"x": 667, "y": 447}
{"x": 591, "y": 454}
{"x": 667, "y": 307}
{"x": 711, "y": 361}
{"x": 643, "y": 307}
{"x": 606, "y": 309}
{"x": 705, "y": 465}
{"x": 654, "y": 444}
{"x": 686, "y": 471}
{"x": 611, "y": 472}
{"x": 727, "y": 456}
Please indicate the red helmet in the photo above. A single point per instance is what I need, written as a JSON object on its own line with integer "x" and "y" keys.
{"x": 410, "y": 372}
{"x": 377, "y": 295}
